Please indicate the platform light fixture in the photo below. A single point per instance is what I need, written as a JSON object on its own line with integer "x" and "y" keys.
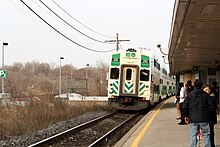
{"x": 159, "y": 46}
{"x": 199, "y": 25}
{"x": 208, "y": 9}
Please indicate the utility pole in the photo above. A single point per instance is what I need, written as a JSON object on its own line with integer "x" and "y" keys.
{"x": 117, "y": 41}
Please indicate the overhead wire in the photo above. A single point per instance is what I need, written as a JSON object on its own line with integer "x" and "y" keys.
{"x": 23, "y": 12}
{"x": 79, "y": 21}
{"x": 44, "y": 10}
{"x": 70, "y": 24}
{"x": 62, "y": 33}
{"x": 120, "y": 45}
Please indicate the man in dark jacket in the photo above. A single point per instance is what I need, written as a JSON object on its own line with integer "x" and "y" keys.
{"x": 196, "y": 109}
{"x": 190, "y": 86}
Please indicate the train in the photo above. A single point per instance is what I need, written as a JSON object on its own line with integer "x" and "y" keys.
{"x": 137, "y": 79}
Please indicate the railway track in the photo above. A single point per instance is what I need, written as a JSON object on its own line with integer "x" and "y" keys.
{"x": 92, "y": 133}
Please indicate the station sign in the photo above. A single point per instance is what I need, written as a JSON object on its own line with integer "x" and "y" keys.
{"x": 3, "y": 74}
{"x": 195, "y": 68}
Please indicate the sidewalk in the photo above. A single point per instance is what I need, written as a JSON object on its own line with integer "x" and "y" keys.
{"x": 160, "y": 128}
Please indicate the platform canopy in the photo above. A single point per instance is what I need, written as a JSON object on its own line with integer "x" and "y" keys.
{"x": 195, "y": 35}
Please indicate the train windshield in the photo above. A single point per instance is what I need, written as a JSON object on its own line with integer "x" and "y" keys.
{"x": 128, "y": 74}
{"x": 114, "y": 73}
{"x": 144, "y": 75}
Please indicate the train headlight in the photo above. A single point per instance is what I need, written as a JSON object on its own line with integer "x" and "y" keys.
{"x": 111, "y": 91}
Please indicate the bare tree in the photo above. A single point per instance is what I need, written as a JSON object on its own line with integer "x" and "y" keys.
{"x": 36, "y": 78}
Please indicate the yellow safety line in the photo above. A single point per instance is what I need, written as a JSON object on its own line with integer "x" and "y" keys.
{"x": 141, "y": 134}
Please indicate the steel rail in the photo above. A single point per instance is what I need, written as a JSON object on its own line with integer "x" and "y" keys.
{"x": 112, "y": 131}
{"x": 45, "y": 141}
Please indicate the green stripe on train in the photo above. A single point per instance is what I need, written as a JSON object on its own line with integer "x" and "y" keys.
{"x": 128, "y": 87}
{"x": 115, "y": 87}
{"x": 141, "y": 89}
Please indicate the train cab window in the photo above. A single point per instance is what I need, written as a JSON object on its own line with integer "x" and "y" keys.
{"x": 144, "y": 75}
{"x": 128, "y": 74}
{"x": 114, "y": 73}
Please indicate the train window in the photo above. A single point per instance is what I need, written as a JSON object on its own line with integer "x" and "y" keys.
{"x": 164, "y": 87}
{"x": 144, "y": 76}
{"x": 156, "y": 64}
{"x": 161, "y": 81}
{"x": 156, "y": 88}
{"x": 114, "y": 73}
{"x": 128, "y": 74}
{"x": 164, "y": 71}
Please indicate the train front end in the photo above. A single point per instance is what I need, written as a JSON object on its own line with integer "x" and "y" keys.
{"x": 129, "y": 80}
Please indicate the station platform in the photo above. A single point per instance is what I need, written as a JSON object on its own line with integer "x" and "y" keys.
{"x": 159, "y": 128}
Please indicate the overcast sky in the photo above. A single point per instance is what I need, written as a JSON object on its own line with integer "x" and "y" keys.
{"x": 144, "y": 22}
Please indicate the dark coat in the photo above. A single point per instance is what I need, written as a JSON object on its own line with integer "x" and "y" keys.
{"x": 198, "y": 106}
{"x": 214, "y": 114}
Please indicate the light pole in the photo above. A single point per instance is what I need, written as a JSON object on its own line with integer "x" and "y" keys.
{"x": 60, "y": 77}
{"x": 101, "y": 82}
{"x": 87, "y": 65}
{"x": 4, "y": 44}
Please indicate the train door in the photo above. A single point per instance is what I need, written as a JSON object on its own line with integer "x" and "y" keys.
{"x": 129, "y": 80}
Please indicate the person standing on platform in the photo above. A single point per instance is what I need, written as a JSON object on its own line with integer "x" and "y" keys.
{"x": 196, "y": 110}
{"x": 213, "y": 115}
{"x": 190, "y": 86}
{"x": 182, "y": 98}
{"x": 177, "y": 101}
{"x": 215, "y": 91}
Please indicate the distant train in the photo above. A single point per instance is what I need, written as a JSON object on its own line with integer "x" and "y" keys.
{"x": 137, "y": 80}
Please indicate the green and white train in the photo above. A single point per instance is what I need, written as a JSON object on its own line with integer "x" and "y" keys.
{"x": 137, "y": 80}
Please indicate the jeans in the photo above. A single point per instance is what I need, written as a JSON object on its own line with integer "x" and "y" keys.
{"x": 181, "y": 112}
{"x": 194, "y": 130}
{"x": 212, "y": 135}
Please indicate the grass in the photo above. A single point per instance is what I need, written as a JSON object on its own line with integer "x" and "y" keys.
{"x": 39, "y": 114}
